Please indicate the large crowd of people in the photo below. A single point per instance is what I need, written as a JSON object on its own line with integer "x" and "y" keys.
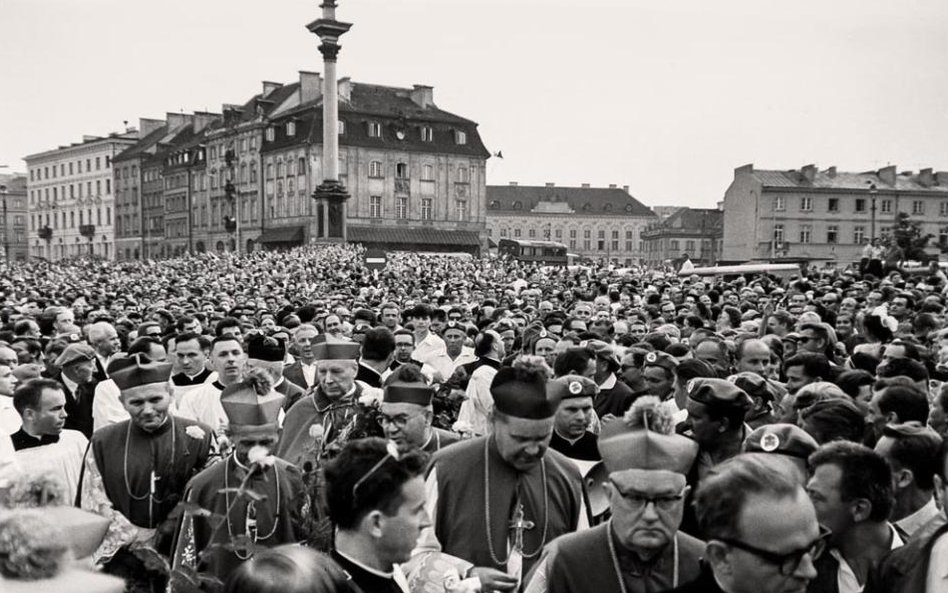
{"x": 298, "y": 421}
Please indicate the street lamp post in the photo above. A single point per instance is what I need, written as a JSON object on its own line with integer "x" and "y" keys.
{"x": 6, "y": 231}
{"x": 872, "y": 212}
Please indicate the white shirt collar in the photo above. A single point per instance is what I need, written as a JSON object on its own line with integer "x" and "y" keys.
{"x": 913, "y": 522}
{"x": 610, "y": 382}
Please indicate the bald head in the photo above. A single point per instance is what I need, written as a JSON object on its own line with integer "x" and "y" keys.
{"x": 753, "y": 356}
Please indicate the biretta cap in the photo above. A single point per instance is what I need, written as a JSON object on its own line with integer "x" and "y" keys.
{"x": 625, "y": 448}
{"x": 74, "y": 353}
{"x": 571, "y": 386}
{"x": 783, "y": 439}
{"x": 660, "y": 359}
{"x": 718, "y": 393}
{"x": 336, "y": 350}
{"x": 521, "y": 398}
{"x": 399, "y": 392}
{"x": 139, "y": 370}
{"x": 248, "y": 411}
{"x": 266, "y": 348}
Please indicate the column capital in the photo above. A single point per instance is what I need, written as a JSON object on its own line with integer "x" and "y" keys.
{"x": 329, "y": 50}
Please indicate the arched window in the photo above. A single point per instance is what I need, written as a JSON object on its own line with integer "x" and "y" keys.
{"x": 301, "y": 167}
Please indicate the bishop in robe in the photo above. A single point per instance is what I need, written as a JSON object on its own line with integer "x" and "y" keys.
{"x": 640, "y": 549}
{"x": 495, "y": 501}
{"x": 406, "y": 413}
{"x": 261, "y": 499}
{"x": 135, "y": 471}
{"x": 331, "y": 404}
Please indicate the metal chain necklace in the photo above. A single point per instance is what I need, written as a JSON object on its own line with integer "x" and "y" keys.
{"x": 276, "y": 515}
{"x": 546, "y": 510}
{"x": 151, "y": 489}
{"x": 615, "y": 560}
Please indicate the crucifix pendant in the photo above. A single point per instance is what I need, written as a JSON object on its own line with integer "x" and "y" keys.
{"x": 154, "y": 479}
{"x": 519, "y": 524}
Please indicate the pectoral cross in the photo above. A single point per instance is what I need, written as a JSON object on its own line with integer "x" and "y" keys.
{"x": 519, "y": 525}
{"x": 154, "y": 478}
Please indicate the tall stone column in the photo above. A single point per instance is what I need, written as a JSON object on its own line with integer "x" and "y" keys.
{"x": 330, "y": 192}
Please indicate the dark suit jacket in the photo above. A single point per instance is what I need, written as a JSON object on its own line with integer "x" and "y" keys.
{"x": 705, "y": 583}
{"x": 79, "y": 407}
{"x": 827, "y": 570}
{"x": 369, "y": 376}
{"x": 294, "y": 373}
{"x": 905, "y": 570}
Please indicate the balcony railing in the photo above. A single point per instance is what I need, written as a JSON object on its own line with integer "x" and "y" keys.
{"x": 87, "y": 230}
{"x": 46, "y": 233}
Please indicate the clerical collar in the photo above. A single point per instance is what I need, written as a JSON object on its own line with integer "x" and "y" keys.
{"x": 567, "y": 439}
{"x": 367, "y": 568}
{"x": 165, "y": 426}
{"x": 219, "y": 385}
{"x": 24, "y": 440}
{"x": 183, "y": 379}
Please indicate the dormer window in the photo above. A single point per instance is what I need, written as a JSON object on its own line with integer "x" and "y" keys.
{"x": 460, "y": 137}
{"x": 518, "y": 205}
{"x": 342, "y": 127}
{"x": 271, "y": 134}
{"x": 291, "y": 128}
{"x": 427, "y": 134}
{"x": 375, "y": 129}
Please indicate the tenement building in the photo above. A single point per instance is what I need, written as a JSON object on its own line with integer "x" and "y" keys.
{"x": 595, "y": 223}
{"x": 70, "y": 196}
{"x": 811, "y": 214}
{"x": 695, "y": 232}
{"x": 13, "y": 223}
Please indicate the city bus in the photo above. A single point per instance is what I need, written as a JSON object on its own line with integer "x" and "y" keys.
{"x": 548, "y": 253}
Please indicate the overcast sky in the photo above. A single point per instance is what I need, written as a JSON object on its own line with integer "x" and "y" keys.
{"x": 667, "y": 97}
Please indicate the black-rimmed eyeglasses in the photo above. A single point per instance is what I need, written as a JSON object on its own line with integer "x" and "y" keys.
{"x": 789, "y": 562}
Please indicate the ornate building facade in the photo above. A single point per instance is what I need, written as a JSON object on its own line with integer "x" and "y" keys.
{"x": 595, "y": 223}
{"x": 695, "y": 232}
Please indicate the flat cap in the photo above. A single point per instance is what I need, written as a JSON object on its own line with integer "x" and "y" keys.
{"x": 74, "y": 353}
{"x": 782, "y": 439}
{"x": 718, "y": 393}
{"x": 571, "y": 386}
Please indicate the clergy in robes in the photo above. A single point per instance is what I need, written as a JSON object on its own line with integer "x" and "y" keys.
{"x": 639, "y": 549}
{"x": 406, "y": 412}
{"x": 135, "y": 471}
{"x": 272, "y": 514}
{"x": 376, "y": 500}
{"x": 571, "y": 434}
{"x": 42, "y": 446}
{"x": 204, "y": 403}
{"x": 331, "y": 404}
{"x": 496, "y": 500}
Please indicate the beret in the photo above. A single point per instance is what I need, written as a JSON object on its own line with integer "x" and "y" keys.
{"x": 602, "y": 351}
{"x": 570, "y": 386}
{"x": 755, "y": 386}
{"x": 660, "y": 359}
{"x": 74, "y": 353}
{"x": 783, "y": 439}
{"x": 718, "y": 393}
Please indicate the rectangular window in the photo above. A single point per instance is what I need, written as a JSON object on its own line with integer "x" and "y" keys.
{"x": 832, "y": 205}
{"x": 108, "y": 161}
{"x": 615, "y": 246}
{"x": 375, "y": 129}
{"x": 270, "y": 136}
{"x": 375, "y": 168}
{"x": 532, "y": 233}
{"x": 806, "y": 232}
{"x": 586, "y": 244}
{"x": 463, "y": 175}
{"x": 778, "y": 233}
{"x": 832, "y": 234}
{"x": 690, "y": 246}
{"x": 460, "y": 137}
{"x": 674, "y": 245}
{"x": 918, "y": 207}
{"x": 943, "y": 208}
{"x": 291, "y": 128}
{"x": 628, "y": 245}
{"x": 342, "y": 127}
{"x": 572, "y": 233}
{"x": 98, "y": 164}
{"x": 806, "y": 204}
{"x": 427, "y": 134}
{"x": 401, "y": 171}
{"x": 558, "y": 233}
{"x": 860, "y": 204}
{"x": 70, "y": 168}
{"x": 461, "y": 208}
{"x": 572, "y": 243}
{"x": 885, "y": 206}
{"x": 516, "y": 233}
{"x": 943, "y": 237}
{"x": 108, "y": 186}
{"x": 401, "y": 207}
{"x": 375, "y": 207}
{"x": 426, "y": 213}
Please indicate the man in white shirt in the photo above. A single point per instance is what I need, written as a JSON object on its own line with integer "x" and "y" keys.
{"x": 204, "y": 403}
{"x": 303, "y": 371}
{"x": 104, "y": 339}
{"x": 9, "y": 419}
{"x": 440, "y": 367}
{"x": 427, "y": 344}
{"x": 474, "y": 415}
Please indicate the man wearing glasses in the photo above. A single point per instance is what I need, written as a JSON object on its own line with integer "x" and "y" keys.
{"x": 640, "y": 548}
{"x": 406, "y": 413}
{"x": 761, "y": 529}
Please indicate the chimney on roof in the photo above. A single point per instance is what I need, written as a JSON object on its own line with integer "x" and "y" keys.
{"x": 176, "y": 120}
{"x": 887, "y": 175}
{"x": 311, "y": 86}
{"x": 808, "y": 172}
{"x": 513, "y": 183}
{"x": 269, "y": 87}
{"x": 612, "y": 186}
{"x": 147, "y": 125}
{"x": 585, "y": 186}
{"x": 831, "y": 171}
{"x": 925, "y": 177}
{"x": 345, "y": 88}
{"x": 202, "y": 119}
{"x": 550, "y": 184}
{"x": 88, "y": 138}
{"x": 625, "y": 188}
{"x": 941, "y": 178}
{"x": 422, "y": 96}
{"x": 749, "y": 168}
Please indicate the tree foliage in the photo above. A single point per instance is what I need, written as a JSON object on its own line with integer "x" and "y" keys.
{"x": 907, "y": 233}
